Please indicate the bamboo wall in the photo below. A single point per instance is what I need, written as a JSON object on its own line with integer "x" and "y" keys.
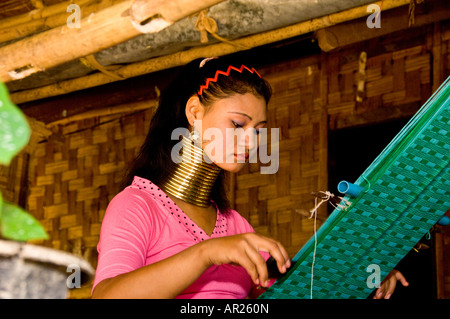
{"x": 12, "y": 179}
{"x": 73, "y": 174}
{"x": 72, "y": 179}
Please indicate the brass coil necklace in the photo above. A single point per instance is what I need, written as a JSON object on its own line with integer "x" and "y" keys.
{"x": 192, "y": 178}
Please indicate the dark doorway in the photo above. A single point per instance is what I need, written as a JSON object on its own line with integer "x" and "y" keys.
{"x": 351, "y": 151}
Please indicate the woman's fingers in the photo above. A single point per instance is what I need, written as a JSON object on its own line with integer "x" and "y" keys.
{"x": 401, "y": 278}
{"x": 247, "y": 263}
{"x": 388, "y": 285}
{"x": 386, "y": 289}
{"x": 245, "y": 250}
{"x": 260, "y": 266}
{"x": 278, "y": 252}
{"x": 284, "y": 261}
{"x": 391, "y": 287}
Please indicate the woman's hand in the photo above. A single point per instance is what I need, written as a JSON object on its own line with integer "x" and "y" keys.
{"x": 244, "y": 250}
{"x": 169, "y": 277}
{"x": 387, "y": 287}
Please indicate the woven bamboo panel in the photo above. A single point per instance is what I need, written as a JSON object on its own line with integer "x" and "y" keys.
{"x": 12, "y": 177}
{"x": 391, "y": 79}
{"x": 72, "y": 179}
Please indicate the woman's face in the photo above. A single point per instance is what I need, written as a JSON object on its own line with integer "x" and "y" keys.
{"x": 230, "y": 128}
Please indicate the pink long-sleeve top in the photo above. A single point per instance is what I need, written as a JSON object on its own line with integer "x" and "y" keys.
{"x": 142, "y": 225}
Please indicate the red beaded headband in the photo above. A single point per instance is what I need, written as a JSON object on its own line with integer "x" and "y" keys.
{"x": 227, "y": 73}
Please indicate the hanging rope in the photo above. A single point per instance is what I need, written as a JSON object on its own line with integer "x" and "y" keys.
{"x": 361, "y": 76}
{"x": 207, "y": 25}
{"x": 92, "y": 63}
{"x": 411, "y": 11}
{"x": 314, "y": 213}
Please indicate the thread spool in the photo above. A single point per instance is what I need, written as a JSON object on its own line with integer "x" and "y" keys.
{"x": 350, "y": 189}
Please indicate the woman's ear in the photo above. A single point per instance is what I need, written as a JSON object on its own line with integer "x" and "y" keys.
{"x": 194, "y": 109}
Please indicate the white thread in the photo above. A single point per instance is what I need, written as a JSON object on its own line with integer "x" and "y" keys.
{"x": 328, "y": 196}
{"x": 343, "y": 205}
{"x": 315, "y": 243}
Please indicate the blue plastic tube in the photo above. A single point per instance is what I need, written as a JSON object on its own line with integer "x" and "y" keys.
{"x": 350, "y": 189}
{"x": 444, "y": 221}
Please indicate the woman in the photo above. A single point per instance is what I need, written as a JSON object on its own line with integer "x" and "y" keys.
{"x": 171, "y": 233}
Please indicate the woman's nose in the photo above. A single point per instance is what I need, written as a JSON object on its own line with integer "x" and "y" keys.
{"x": 250, "y": 138}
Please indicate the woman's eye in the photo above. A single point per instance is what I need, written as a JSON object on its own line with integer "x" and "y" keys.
{"x": 236, "y": 125}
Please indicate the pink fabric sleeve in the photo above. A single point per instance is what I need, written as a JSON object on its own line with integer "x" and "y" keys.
{"x": 249, "y": 229}
{"x": 124, "y": 236}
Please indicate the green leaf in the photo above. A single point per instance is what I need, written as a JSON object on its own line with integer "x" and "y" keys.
{"x": 14, "y": 129}
{"x": 16, "y": 224}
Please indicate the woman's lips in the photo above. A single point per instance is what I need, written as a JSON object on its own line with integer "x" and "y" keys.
{"x": 242, "y": 157}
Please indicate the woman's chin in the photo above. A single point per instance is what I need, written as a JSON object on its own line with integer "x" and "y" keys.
{"x": 231, "y": 167}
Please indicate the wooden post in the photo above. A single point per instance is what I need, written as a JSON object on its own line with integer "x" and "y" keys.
{"x": 438, "y": 72}
{"x": 99, "y": 31}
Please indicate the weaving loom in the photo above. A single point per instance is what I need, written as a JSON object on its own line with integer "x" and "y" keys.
{"x": 406, "y": 190}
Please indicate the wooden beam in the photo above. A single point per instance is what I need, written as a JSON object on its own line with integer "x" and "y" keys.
{"x": 39, "y": 13}
{"x": 118, "y": 109}
{"x": 99, "y": 31}
{"x": 183, "y": 57}
{"x": 379, "y": 115}
{"x": 44, "y": 23}
{"x": 391, "y": 21}
{"x": 90, "y": 100}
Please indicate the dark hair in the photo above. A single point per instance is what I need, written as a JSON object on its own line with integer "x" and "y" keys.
{"x": 154, "y": 158}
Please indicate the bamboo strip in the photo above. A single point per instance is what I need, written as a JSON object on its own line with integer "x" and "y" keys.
{"x": 40, "y": 13}
{"x": 125, "y": 108}
{"x": 102, "y": 30}
{"x": 36, "y": 25}
{"x": 181, "y": 58}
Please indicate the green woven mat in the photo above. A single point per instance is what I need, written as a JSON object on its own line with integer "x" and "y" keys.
{"x": 407, "y": 190}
